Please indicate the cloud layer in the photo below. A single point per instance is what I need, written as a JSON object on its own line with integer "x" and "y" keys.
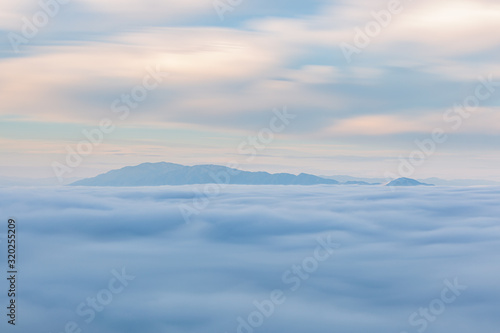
{"x": 396, "y": 250}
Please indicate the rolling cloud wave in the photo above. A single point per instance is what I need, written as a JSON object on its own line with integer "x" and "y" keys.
{"x": 396, "y": 250}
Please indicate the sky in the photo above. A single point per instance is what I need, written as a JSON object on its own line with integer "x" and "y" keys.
{"x": 369, "y": 87}
{"x": 371, "y": 259}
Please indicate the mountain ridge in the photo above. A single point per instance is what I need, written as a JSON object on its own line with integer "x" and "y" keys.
{"x": 163, "y": 173}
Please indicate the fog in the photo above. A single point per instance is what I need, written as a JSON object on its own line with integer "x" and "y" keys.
{"x": 391, "y": 253}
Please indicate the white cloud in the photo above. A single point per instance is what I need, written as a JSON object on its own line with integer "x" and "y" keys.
{"x": 12, "y": 12}
{"x": 382, "y": 125}
{"x": 396, "y": 250}
{"x": 149, "y": 9}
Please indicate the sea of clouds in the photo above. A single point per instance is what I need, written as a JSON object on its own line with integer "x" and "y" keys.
{"x": 255, "y": 259}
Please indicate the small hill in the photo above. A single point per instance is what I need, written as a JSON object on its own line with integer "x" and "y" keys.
{"x": 407, "y": 182}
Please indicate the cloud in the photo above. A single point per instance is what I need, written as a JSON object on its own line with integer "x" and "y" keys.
{"x": 396, "y": 250}
{"x": 479, "y": 120}
{"x": 225, "y": 77}
{"x": 149, "y": 9}
{"x": 377, "y": 125}
{"x": 11, "y": 13}
{"x": 228, "y": 68}
{"x": 71, "y": 83}
{"x": 454, "y": 22}
{"x": 121, "y": 13}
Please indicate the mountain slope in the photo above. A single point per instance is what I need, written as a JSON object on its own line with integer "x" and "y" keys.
{"x": 157, "y": 174}
{"x": 407, "y": 182}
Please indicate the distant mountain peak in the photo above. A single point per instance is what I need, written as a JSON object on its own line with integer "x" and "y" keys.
{"x": 163, "y": 173}
{"x": 407, "y": 182}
